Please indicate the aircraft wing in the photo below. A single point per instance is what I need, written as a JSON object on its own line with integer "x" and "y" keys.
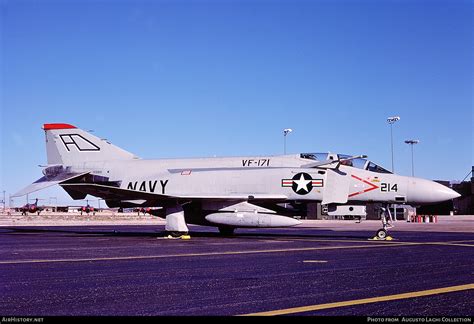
{"x": 238, "y": 197}
{"x": 46, "y": 182}
{"x": 109, "y": 192}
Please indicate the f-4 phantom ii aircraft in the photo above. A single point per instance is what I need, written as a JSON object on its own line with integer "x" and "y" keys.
{"x": 228, "y": 193}
{"x": 31, "y": 208}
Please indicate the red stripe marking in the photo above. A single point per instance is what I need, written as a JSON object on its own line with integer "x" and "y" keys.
{"x": 372, "y": 187}
{"x": 57, "y": 126}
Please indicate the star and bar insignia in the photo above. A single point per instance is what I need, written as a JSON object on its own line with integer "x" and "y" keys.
{"x": 302, "y": 183}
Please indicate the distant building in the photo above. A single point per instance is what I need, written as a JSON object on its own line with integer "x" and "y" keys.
{"x": 464, "y": 205}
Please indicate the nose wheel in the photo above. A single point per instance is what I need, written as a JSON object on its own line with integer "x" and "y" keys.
{"x": 382, "y": 234}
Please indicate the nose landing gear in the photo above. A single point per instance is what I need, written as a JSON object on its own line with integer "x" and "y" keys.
{"x": 382, "y": 234}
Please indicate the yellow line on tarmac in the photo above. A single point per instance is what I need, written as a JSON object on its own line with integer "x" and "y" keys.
{"x": 143, "y": 257}
{"x": 345, "y": 241}
{"x": 452, "y": 244}
{"x": 449, "y": 243}
{"x": 415, "y": 294}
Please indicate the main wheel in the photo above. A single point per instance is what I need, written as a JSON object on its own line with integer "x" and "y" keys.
{"x": 381, "y": 234}
{"x": 177, "y": 234}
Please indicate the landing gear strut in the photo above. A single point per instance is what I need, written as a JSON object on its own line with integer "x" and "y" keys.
{"x": 175, "y": 223}
{"x": 382, "y": 234}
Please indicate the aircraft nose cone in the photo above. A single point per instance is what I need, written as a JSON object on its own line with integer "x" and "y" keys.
{"x": 429, "y": 192}
{"x": 443, "y": 193}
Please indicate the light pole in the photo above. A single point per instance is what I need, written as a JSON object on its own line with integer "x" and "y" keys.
{"x": 412, "y": 142}
{"x": 391, "y": 121}
{"x": 286, "y": 131}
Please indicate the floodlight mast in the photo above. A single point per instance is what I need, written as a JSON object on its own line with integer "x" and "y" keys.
{"x": 391, "y": 121}
{"x": 286, "y": 131}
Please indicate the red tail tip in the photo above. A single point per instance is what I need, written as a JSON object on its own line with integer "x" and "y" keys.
{"x": 57, "y": 126}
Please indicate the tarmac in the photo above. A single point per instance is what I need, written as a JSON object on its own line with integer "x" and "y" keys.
{"x": 127, "y": 267}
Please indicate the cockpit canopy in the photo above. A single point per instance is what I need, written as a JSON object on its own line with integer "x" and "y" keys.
{"x": 358, "y": 163}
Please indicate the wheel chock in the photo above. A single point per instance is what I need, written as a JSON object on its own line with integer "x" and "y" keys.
{"x": 375, "y": 238}
{"x": 169, "y": 237}
{"x": 183, "y": 237}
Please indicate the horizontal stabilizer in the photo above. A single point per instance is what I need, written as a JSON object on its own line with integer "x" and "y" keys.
{"x": 46, "y": 182}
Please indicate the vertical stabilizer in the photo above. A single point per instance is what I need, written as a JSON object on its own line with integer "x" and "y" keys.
{"x": 69, "y": 145}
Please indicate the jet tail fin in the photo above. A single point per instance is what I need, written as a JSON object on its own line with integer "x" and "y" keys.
{"x": 69, "y": 145}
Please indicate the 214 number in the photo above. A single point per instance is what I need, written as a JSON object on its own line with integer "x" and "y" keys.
{"x": 387, "y": 187}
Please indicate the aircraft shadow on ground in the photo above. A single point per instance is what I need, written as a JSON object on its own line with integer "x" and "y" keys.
{"x": 322, "y": 233}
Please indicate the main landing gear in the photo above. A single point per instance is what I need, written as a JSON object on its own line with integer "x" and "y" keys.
{"x": 176, "y": 224}
{"x": 382, "y": 234}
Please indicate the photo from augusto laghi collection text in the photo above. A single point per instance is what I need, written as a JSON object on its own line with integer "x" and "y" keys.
{"x": 429, "y": 319}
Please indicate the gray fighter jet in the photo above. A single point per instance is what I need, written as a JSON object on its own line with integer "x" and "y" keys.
{"x": 229, "y": 192}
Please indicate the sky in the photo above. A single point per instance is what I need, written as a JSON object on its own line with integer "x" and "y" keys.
{"x": 207, "y": 78}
